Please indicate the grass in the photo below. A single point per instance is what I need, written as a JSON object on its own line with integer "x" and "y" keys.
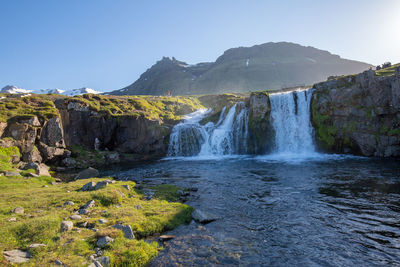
{"x": 44, "y": 210}
{"x": 165, "y": 108}
{"x": 38, "y": 105}
{"x": 6, "y": 154}
{"x": 387, "y": 71}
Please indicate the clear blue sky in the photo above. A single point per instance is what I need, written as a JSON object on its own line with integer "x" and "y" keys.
{"x": 107, "y": 44}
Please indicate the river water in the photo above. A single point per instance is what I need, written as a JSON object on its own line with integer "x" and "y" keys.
{"x": 324, "y": 210}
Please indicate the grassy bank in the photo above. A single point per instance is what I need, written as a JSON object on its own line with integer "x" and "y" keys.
{"x": 44, "y": 207}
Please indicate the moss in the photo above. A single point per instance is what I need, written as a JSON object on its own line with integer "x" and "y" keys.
{"x": 6, "y": 155}
{"x": 387, "y": 71}
{"x": 394, "y": 132}
{"x": 166, "y": 192}
{"x": 163, "y": 108}
{"x": 38, "y": 105}
{"x": 73, "y": 248}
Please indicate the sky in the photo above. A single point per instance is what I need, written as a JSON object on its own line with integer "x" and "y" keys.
{"x": 107, "y": 44}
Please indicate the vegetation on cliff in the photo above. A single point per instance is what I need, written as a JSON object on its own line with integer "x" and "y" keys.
{"x": 165, "y": 108}
{"x": 41, "y": 106}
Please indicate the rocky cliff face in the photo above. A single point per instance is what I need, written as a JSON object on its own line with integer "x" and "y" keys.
{"x": 125, "y": 134}
{"x": 358, "y": 114}
{"x": 243, "y": 69}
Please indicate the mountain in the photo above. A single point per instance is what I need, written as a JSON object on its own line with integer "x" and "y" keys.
{"x": 11, "y": 89}
{"x": 243, "y": 69}
{"x": 50, "y": 91}
{"x": 72, "y": 92}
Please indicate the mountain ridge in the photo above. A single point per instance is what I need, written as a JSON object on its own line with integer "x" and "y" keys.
{"x": 242, "y": 69}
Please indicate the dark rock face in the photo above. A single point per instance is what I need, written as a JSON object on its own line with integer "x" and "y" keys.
{"x": 125, "y": 134}
{"x": 261, "y": 131}
{"x": 243, "y": 69}
{"x": 358, "y": 114}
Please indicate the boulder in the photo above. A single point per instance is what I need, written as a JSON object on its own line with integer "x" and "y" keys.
{"x": 17, "y": 256}
{"x": 104, "y": 260}
{"x": 66, "y": 226}
{"x": 88, "y": 173}
{"x": 18, "y": 210}
{"x": 50, "y": 153}
{"x": 52, "y": 133}
{"x": 102, "y": 221}
{"x": 83, "y": 211}
{"x": 95, "y": 264}
{"x": 126, "y": 229}
{"x": 203, "y": 217}
{"x": 69, "y": 203}
{"x": 41, "y": 169}
{"x": 89, "y": 204}
{"x": 89, "y": 186}
{"x": 11, "y": 173}
{"x": 32, "y": 156}
{"x": 69, "y": 162}
{"x": 35, "y": 245}
{"x": 104, "y": 241}
{"x": 75, "y": 217}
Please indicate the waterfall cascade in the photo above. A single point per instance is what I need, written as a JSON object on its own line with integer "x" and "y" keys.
{"x": 228, "y": 136}
{"x": 290, "y": 113}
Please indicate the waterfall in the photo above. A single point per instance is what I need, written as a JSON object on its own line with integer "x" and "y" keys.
{"x": 290, "y": 113}
{"x": 228, "y": 136}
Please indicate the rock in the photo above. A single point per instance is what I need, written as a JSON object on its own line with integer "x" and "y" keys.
{"x": 50, "y": 153}
{"x": 104, "y": 241}
{"x": 83, "y": 211}
{"x": 36, "y": 245}
{"x": 104, "y": 260}
{"x": 18, "y": 210}
{"x": 32, "y": 156}
{"x": 101, "y": 185}
{"x": 13, "y": 219}
{"x": 17, "y": 256}
{"x": 138, "y": 207}
{"x": 41, "y": 169}
{"x": 69, "y": 162}
{"x": 166, "y": 237}
{"x": 112, "y": 158}
{"x": 52, "y": 133}
{"x": 203, "y": 217}
{"x": 126, "y": 229}
{"x": 29, "y": 174}
{"x": 89, "y": 186}
{"x": 75, "y": 217}
{"x": 58, "y": 263}
{"x": 88, "y": 173}
{"x": 102, "y": 221}
{"x": 66, "y": 226}
{"x": 89, "y": 204}
{"x": 69, "y": 203}
{"x": 127, "y": 187}
{"x": 95, "y": 264}
{"x": 11, "y": 173}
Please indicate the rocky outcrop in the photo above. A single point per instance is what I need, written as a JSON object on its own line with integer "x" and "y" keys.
{"x": 358, "y": 114}
{"x": 261, "y": 132}
{"x": 125, "y": 134}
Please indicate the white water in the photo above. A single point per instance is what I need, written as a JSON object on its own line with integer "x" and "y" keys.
{"x": 227, "y": 137}
{"x": 290, "y": 113}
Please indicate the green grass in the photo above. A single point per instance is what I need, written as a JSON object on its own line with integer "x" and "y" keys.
{"x": 6, "y": 154}
{"x": 38, "y": 105}
{"x": 163, "y": 108}
{"x": 45, "y": 208}
{"x": 387, "y": 71}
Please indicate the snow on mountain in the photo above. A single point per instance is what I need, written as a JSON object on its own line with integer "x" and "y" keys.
{"x": 50, "y": 91}
{"x": 11, "y": 89}
{"x": 80, "y": 91}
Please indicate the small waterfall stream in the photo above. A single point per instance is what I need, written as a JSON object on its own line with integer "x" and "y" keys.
{"x": 290, "y": 113}
{"x": 228, "y": 136}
